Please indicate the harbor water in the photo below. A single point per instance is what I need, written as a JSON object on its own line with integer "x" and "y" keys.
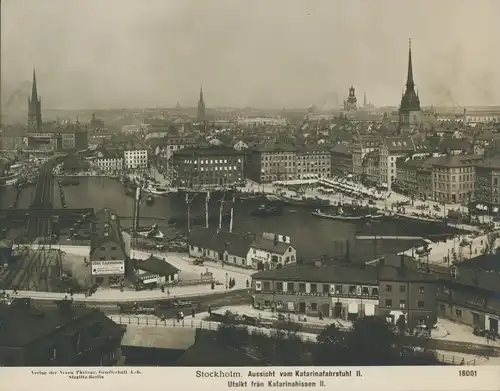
{"x": 313, "y": 237}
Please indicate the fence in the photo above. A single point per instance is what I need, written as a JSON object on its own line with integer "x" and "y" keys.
{"x": 454, "y": 360}
{"x": 192, "y": 324}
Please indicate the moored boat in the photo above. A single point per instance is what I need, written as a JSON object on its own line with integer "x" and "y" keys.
{"x": 304, "y": 201}
{"x": 268, "y": 210}
{"x": 343, "y": 217}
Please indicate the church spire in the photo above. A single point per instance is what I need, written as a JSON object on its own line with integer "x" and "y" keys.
{"x": 34, "y": 106}
{"x": 201, "y": 106}
{"x": 34, "y": 92}
{"x": 410, "y": 84}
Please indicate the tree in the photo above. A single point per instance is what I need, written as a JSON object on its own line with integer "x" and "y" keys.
{"x": 231, "y": 335}
{"x": 331, "y": 346}
{"x": 371, "y": 341}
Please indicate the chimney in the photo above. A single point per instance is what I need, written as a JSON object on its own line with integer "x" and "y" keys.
{"x": 275, "y": 240}
{"x": 402, "y": 261}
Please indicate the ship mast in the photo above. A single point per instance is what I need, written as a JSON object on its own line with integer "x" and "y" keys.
{"x": 232, "y": 216}
{"x": 221, "y": 209}
{"x": 207, "y": 200}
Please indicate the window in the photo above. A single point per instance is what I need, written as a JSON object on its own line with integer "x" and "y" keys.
{"x": 402, "y": 303}
{"x": 113, "y": 248}
{"x": 388, "y": 288}
{"x": 421, "y": 290}
{"x": 314, "y": 288}
{"x": 365, "y": 291}
{"x": 279, "y": 286}
{"x": 289, "y": 287}
{"x": 420, "y": 305}
{"x": 326, "y": 288}
{"x": 302, "y": 287}
{"x": 442, "y": 308}
{"x": 352, "y": 289}
{"x": 374, "y": 291}
{"x": 314, "y": 306}
{"x": 388, "y": 303}
{"x": 458, "y": 313}
{"x": 113, "y": 258}
{"x": 266, "y": 286}
{"x": 402, "y": 289}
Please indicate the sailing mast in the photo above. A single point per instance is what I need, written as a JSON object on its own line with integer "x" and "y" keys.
{"x": 207, "y": 200}
{"x": 232, "y": 217}
{"x": 221, "y": 209}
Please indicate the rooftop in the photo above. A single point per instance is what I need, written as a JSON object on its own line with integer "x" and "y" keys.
{"x": 323, "y": 274}
{"x": 20, "y": 326}
{"x": 210, "y": 151}
{"x": 235, "y": 243}
{"x": 157, "y": 266}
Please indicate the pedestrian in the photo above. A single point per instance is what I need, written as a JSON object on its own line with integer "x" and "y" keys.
{"x": 193, "y": 312}
{"x": 248, "y": 283}
{"x": 182, "y": 315}
{"x": 209, "y": 310}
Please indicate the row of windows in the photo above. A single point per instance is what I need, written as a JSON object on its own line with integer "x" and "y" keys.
{"x": 402, "y": 304}
{"x": 402, "y": 288}
{"x": 321, "y": 288}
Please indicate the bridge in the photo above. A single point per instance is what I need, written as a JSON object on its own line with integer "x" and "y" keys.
{"x": 43, "y": 213}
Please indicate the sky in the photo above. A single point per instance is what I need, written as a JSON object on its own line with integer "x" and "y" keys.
{"x": 98, "y": 54}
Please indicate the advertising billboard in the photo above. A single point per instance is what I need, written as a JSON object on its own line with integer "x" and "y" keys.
{"x": 102, "y": 268}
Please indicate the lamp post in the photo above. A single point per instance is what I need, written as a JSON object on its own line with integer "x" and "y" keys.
{"x": 226, "y": 281}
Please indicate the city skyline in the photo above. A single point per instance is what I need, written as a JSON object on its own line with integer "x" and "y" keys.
{"x": 158, "y": 54}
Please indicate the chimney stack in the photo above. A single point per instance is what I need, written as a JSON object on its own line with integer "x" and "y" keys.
{"x": 402, "y": 261}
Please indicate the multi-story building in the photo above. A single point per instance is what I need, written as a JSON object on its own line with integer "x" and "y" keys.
{"x": 170, "y": 145}
{"x": 341, "y": 160}
{"x": 208, "y": 167}
{"x": 334, "y": 291}
{"x": 371, "y": 167}
{"x": 135, "y": 156}
{"x": 313, "y": 162}
{"x": 469, "y": 293}
{"x": 424, "y": 179}
{"x": 363, "y": 144}
{"x": 454, "y": 177}
{"x": 273, "y": 163}
{"x": 65, "y": 336}
{"x": 347, "y": 291}
{"x": 487, "y": 186}
{"x": 391, "y": 149}
{"x": 109, "y": 161}
{"x": 108, "y": 257}
{"x": 407, "y": 294}
{"x": 13, "y": 138}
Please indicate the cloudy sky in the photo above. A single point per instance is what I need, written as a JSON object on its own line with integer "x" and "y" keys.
{"x": 262, "y": 53}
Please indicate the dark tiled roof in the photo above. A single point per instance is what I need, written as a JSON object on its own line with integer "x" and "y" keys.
{"x": 490, "y": 163}
{"x": 157, "y": 266}
{"x": 456, "y": 160}
{"x": 235, "y": 243}
{"x": 396, "y": 144}
{"x": 210, "y": 151}
{"x": 22, "y": 326}
{"x": 269, "y": 245}
{"x": 403, "y": 274}
{"x": 326, "y": 274}
{"x": 341, "y": 149}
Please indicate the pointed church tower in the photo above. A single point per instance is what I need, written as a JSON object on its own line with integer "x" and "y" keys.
{"x": 201, "y": 107}
{"x": 409, "y": 111}
{"x": 34, "y": 108}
